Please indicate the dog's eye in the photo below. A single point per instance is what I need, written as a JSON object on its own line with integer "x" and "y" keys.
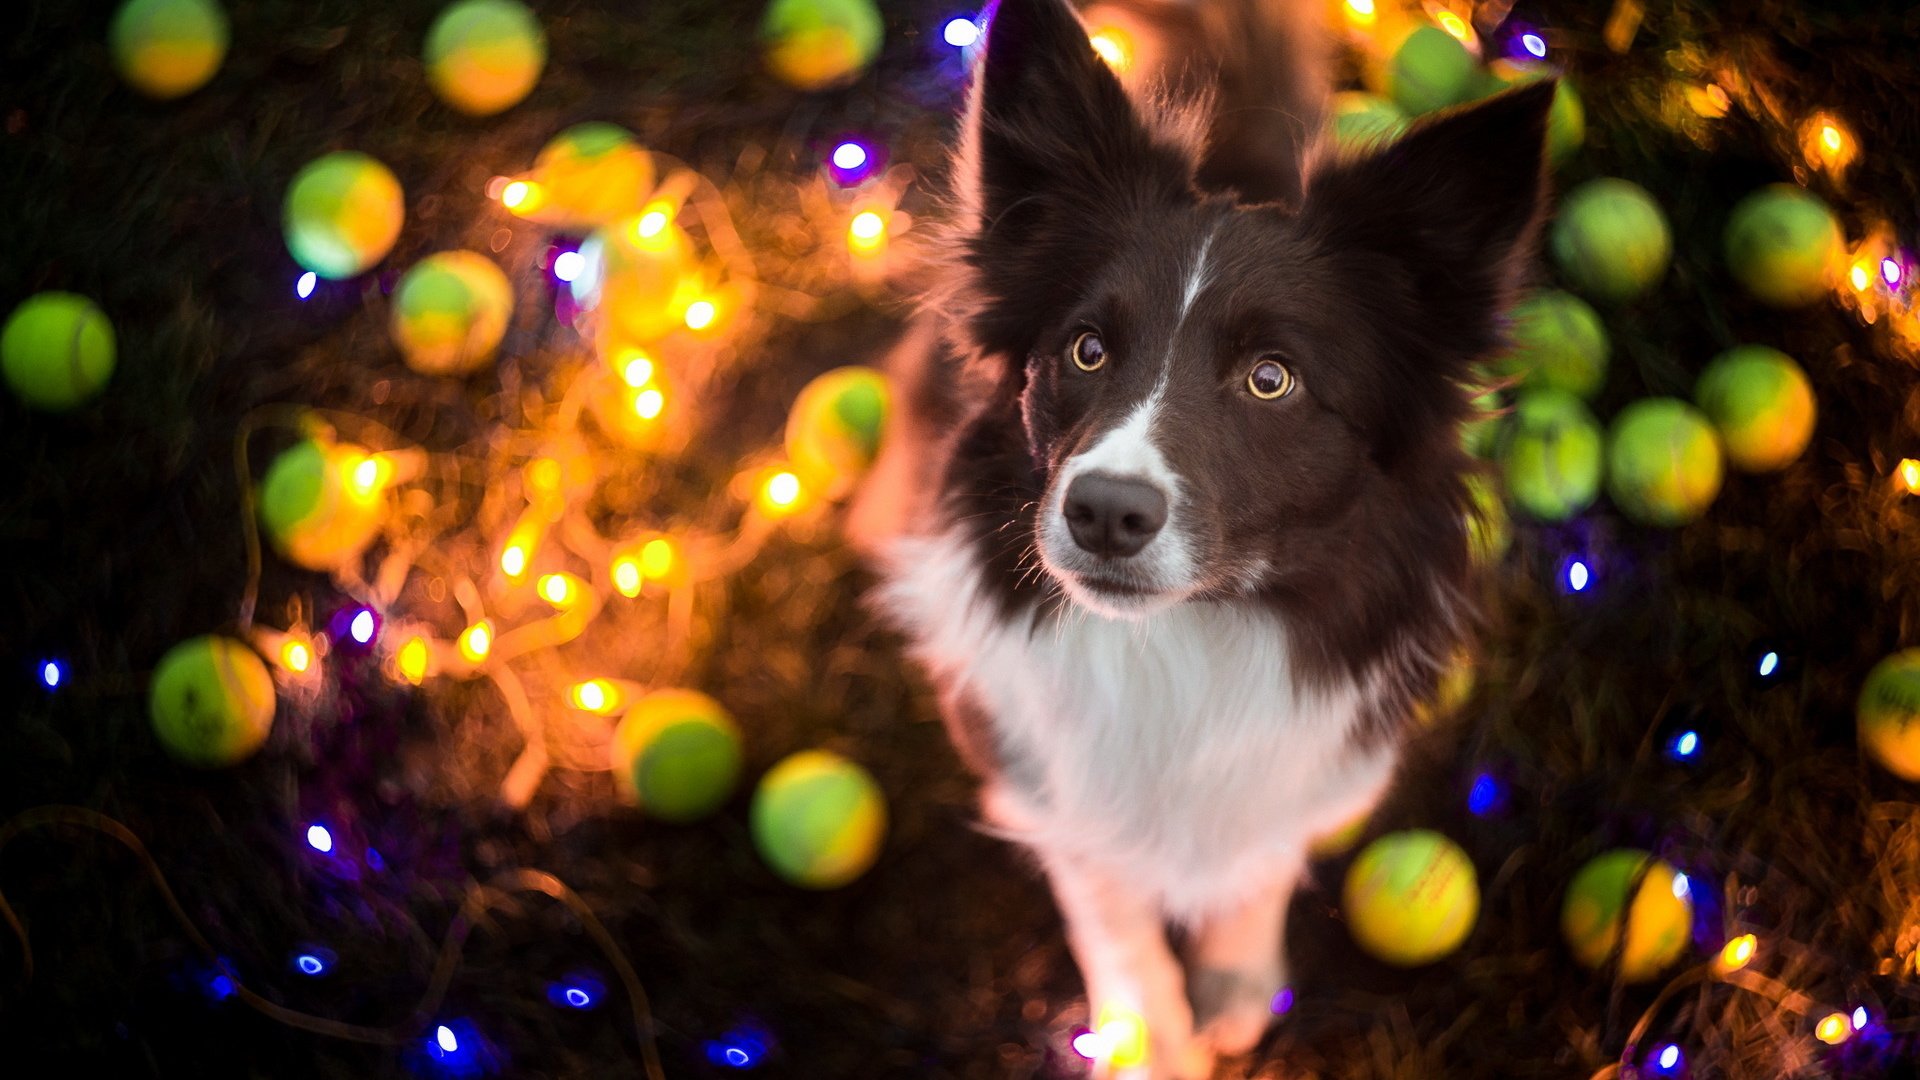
{"x": 1270, "y": 379}
{"x": 1089, "y": 353}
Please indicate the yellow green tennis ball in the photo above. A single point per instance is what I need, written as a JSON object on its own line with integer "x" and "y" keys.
{"x": 211, "y": 701}
{"x": 818, "y": 819}
{"x": 168, "y": 48}
{"x": 589, "y": 175}
{"x": 450, "y": 311}
{"x": 1559, "y": 343}
{"x": 634, "y": 272}
{"x": 1659, "y": 920}
{"x": 1611, "y": 239}
{"x": 815, "y": 44}
{"x": 833, "y": 430}
{"x": 1889, "y": 714}
{"x": 315, "y": 506}
{"x": 1430, "y": 70}
{"x": 1663, "y": 461}
{"x": 1762, "y": 405}
{"x": 1363, "y": 119}
{"x": 677, "y": 753}
{"x": 1551, "y": 456}
{"x": 1780, "y": 243}
{"x": 1411, "y": 897}
{"x": 483, "y": 56}
{"x": 56, "y": 350}
{"x": 342, "y": 214}
{"x": 1566, "y": 119}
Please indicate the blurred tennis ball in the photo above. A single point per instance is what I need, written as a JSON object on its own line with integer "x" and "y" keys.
{"x": 676, "y": 753}
{"x": 1551, "y": 455}
{"x": 834, "y": 428}
{"x": 1663, "y": 462}
{"x": 484, "y": 56}
{"x": 211, "y": 701}
{"x": 587, "y": 176}
{"x": 56, "y": 350}
{"x": 168, "y": 48}
{"x": 1361, "y": 119}
{"x": 1341, "y": 840}
{"x": 319, "y": 505}
{"x": 1780, "y": 242}
{"x": 634, "y": 272}
{"x": 1559, "y": 343}
{"x": 1889, "y": 714}
{"x": 818, "y": 819}
{"x": 343, "y": 213}
{"x": 1659, "y": 921}
{"x": 450, "y": 311}
{"x": 1429, "y": 69}
{"x": 1411, "y": 897}
{"x": 1566, "y": 118}
{"x": 1611, "y": 239}
{"x": 816, "y": 44}
{"x": 1762, "y": 405}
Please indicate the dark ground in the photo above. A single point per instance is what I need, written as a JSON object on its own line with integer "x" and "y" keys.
{"x": 946, "y": 960}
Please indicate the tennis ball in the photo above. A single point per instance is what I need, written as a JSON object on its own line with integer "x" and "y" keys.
{"x": 1780, "y": 242}
{"x": 450, "y": 311}
{"x": 1341, "y": 839}
{"x": 1559, "y": 343}
{"x": 1411, "y": 897}
{"x": 483, "y": 56}
{"x": 1363, "y": 119}
{"x": 1551, "y": 458}
{"x": 1663, "y": 461}
{"x": 211, "y": 701}
{"x": 1762, "y": 405}
{"x": 815, "y": 44}
{"x": 168, "y": 48}
{"x": 315, "y": 508}
{"x": 833, "y": 430}
{"x": 635, "y": 274}
{"x": 818, "y": 819}
{"x": 1889, "y": 714}
{"x": 1611, "y": 239}
{"x": 676, "y": 753}
{"x": 343, "y": 213}
{"x": 1659, "y": 920}
{"x": 1429, "y": 70}
{"x": 56, "y": 350}
{"x": 589, "y": 175}
{"x": 1489, "y": 533}
{"x": 1566, "y": 118}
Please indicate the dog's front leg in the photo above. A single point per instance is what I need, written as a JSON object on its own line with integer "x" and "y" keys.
{"x": 1118, "y": 938}
{"x": 1238, "y": 967}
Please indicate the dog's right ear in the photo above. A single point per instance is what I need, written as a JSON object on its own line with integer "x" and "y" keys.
{"x": 1053, "y": 159}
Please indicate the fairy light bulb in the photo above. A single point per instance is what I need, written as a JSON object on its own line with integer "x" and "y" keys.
{"x": 1861, "y": 275}
{"x": 648, "y": 403}
{"x": 1113, "y": 45}
{"x": 303, "y": 287}
{"x": 626, "y": 577}
{"x": 513, "y": 560}
{"x": 636, "y": 368}
{"x": 657, "y": 558}
{"x": 1360, "y": 13}
{"x": 1122, "y": 1037}
{"x": 519, "y": 196}
{"x": 1737, "y": 952}
{"x": 1909, "y": 473}
{"x": 367, "y": 476}
{"x": 700, "y": 314}
{"x": 652, "y": 223}
{"x": 412, "y": 660}
{"x": 560, "y": 590}
{"x": 595, "y": 696}
{"x": 1455, "y": 26}
{"x": 867, "y": 232}
{"x": 476, "y": 641}
{"x": 1833, "y": 1029}
{"x": 780, "y": 494}
{"x": 1827, "y": 143}
{"x": 296, "y": 656}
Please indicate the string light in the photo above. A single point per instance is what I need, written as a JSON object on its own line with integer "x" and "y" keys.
{"x": 476, "y": 641}
{"x": 303, "y": 286}
{"x": 657, "y": 558}
{"x": 368, "y": 476}
{"x": 780, "y": 494}
{"x": 1578, "y": 576}
{"x": 700, "y": 314}
{"x": 412, "y": 660}
{"x": 1282, "y": 1002}
{"x": 1485, "y": 795}
{"x": 596, "y": 696}
{"x": 1769, "y": 663}
{"x": 648, "y": 403}
{"x": 1860, "y": 276}
{"x": 1860, "y": 1018}
{"x": 561, "y": 590}
{"x": 1534, "y": 44}
{"x": 320, "y": 839}
{"x": 651, "y": 224}
{"x": 1455, "y": 26}
{"x": 636, "y": 367}
{"x": 1827, "y": 144}
{"x": 626, "y": 577}
{"x": 1833, "y": 1029}
{"x": 849, "y": 156}
{"x": 296, "y": 656}
{"x": 362, "y": 626}
{"x": 1890, "y": 272}
{"x": 1360, "y": 13}
{"x": 50, "y": 674}
{"x": 515, "y": 195}
{"x": 1114, "y": 46}
{"x": 310, "y": 964}
{"x": 1667, "y": 1059}
{"x": 962, "y": 32}
{"x": 1737, "y": 952}
{"x": 1909, "y": 473}
{"x": 568, "y": 264}
{"x": 867, "y": 232}
{"x": 1120, "y": 1039}
{"x": 576, "y": 992}
{"x": 1683, "y": 747}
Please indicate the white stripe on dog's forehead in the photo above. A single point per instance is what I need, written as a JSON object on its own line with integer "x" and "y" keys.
{"x": 1127, "y": 449}
{"x": 1197, "y": 277}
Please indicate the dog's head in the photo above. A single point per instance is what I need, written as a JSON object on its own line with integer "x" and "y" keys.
{"x": 1223, "y": 399}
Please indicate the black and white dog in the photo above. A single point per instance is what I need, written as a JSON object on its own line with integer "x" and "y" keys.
{"x": 1173, "y": 508}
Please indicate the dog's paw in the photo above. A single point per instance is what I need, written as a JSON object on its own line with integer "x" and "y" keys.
{"x": 1232, "y": 1009}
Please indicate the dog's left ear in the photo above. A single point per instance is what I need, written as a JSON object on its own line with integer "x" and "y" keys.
{"x": 1446, "y": 216}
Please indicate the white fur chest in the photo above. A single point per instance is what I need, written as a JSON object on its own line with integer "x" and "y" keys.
{"x": 1176, "y": 751}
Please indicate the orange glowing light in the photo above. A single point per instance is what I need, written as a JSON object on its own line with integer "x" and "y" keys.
{"x": 626, "y": 577}
{"x": 657, "y": 558}
{"x": 867, "y": 232}
{"x": 1114, "y": 46}
{"x": 1830, "y": 138}
{"x": 1455, "y": 26}
{"x": 781, "y": 493}
{"x": 513, "y": 560}
{"x": 596, "y": 696}
{"x": 515, "y": 195}
{"x": 1737, "y": 952}
{"x": 1123, "y": 1037}
{"x": 412, "y": 660}
{"x": 648, "y": 403}
{"x": 476, "y": 641}
{"x": 1861, "y": 275}
{"x": 544, "y": 475}
{"x": 1833, "y": 1029}
{"x": 636, "y": 368}
{"x": 296, "y": 657}
{"x": 651, "y": 224}
{"x": 1709, "y": 101}
{"x": 700, "y": 314}
{"x": 1910, "y": 475}
{"x": 560, "y": 590}
{"x": 1827, "y": 144}
{"x": 1360, "y": 12}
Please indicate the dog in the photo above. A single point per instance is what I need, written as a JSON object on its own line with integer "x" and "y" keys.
{"x": 1172, "y": 507}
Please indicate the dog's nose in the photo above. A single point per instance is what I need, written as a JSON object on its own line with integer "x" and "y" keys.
{"x": 1109, "y": 515}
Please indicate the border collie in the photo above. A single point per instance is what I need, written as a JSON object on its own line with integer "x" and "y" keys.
{"x": 1173, "y": 508}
